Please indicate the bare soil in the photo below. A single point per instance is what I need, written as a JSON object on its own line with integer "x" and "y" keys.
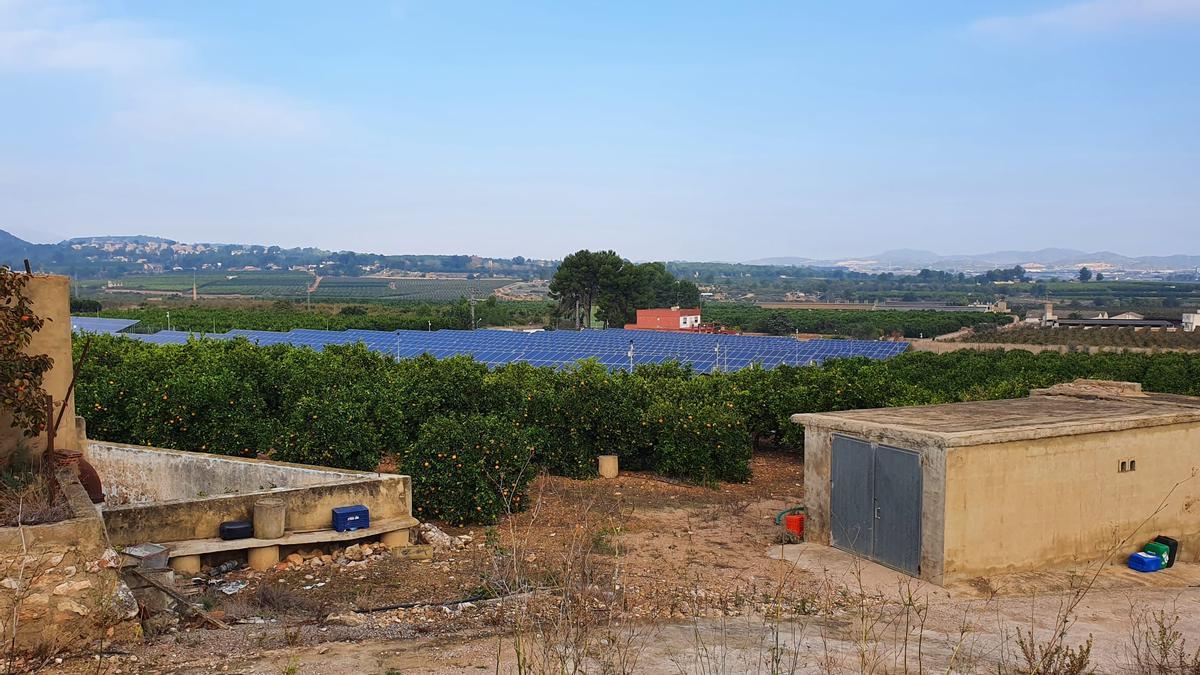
{"x": 652, "y": 576}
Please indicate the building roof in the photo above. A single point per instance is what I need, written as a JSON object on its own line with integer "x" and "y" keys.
{"x": 1059, "y": 411}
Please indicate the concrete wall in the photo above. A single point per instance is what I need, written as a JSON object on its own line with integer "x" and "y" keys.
{"x": 63, "y": 581}
{"x": 134, "y": 474}
{"x": 818, "y": 444}
{"x": 1061, "y": 500}
{"x": 308, "y": 492}
{"x": 51, "y": 300}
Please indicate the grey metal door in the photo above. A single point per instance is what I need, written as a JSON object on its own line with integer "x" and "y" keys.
{"x": 851, "y": 510}
{"x": 897, "y": 475}
{"x": 875, "y": 502}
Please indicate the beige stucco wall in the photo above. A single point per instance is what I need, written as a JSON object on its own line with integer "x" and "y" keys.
{"x": 1061, "y": 500}
{"x": 51, "y": 300}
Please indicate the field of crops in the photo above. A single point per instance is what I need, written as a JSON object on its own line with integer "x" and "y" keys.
{"x": 296, "y": 284}
{"x": 258, "y": 284}
{"x": 432, "y": 290}
{"x": 285, "y": 316}
{"x": 175, "y": 282}
{"x": 1103, "y": 337}
{"x": 867, "y": 324}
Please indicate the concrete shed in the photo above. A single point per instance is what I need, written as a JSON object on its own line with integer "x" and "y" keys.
{"x": 954, "y": 491}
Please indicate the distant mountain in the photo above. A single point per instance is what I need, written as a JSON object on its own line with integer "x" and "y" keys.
{"x": 786, "y": 261}
{"x": 1047, "y": 259}
{"x": 14, "y": 250}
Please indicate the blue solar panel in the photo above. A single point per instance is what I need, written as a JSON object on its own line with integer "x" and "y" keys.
{"x": 91, "y": 324}
{"x": 704, "y": 352}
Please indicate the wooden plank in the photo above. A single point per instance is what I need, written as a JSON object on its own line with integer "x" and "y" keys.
{"x": 418, "y": 552}
{"x": 178, "y": 597}
{"x": 215, "y": 544}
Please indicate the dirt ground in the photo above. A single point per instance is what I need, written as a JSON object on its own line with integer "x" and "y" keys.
{"x": 637, "y": 574}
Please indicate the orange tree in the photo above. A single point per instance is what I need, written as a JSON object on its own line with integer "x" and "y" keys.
{"x": 21, "y": 374}
{"x": 346, "y": 406}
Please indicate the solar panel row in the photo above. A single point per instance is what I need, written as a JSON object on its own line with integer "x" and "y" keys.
{"x": 92, "y": 324}
{"x": 614, "y": 348}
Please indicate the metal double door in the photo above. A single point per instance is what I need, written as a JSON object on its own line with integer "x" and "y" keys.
{"x": 875, "y": 502}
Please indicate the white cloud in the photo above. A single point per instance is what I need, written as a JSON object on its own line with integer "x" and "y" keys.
{"x": 156, "y": 90}
{"x": 1093, "y": 16}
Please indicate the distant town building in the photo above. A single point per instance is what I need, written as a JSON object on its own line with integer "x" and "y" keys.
{"x": 1048, "y": 319}
{"x": 674, "y": 318}
{"x": 1191, "y": 320}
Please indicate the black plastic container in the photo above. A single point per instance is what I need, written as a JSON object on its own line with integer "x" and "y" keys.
{"x": 1171, "y": 544}
{"x": 237, "y": 529}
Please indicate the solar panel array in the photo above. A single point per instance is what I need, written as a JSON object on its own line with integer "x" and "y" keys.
{"x": 614, "y": 348}
{"x": 92, "y": 324}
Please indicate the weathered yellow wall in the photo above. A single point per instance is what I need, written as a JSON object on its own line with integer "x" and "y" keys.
{"x": 51, "y": 300}
{"x": 1058, "y": 501}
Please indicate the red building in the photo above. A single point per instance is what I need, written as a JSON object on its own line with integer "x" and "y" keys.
{"x": 666, "y": 319}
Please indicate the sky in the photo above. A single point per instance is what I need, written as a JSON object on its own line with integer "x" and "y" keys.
{"x": 663, "y": 130}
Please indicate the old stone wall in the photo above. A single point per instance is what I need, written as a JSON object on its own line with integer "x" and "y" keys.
{"x": 60, "y": 586}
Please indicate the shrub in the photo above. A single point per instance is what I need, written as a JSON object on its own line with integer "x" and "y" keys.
{"x": 331, "y": 430}
{"x": 472, "y": 469}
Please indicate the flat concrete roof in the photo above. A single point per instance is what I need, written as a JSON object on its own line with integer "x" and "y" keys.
{"x": 1042, "y": 415}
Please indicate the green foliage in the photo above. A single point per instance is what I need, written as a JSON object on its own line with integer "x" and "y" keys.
{"x": 347, "y": 407}
{"x": 865, "y": 324}
{"x": 616, "y": 287}
{"x": 1107, "y": 336}
{"x": 472, "y": 469}
{"x": 285, "y": 316}
{"x": 699, "y": 432}
{"x": 85, "y": 306}
{"x": 21, "y": 374}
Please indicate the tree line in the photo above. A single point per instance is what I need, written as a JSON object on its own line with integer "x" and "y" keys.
{"x": 603, "y": 284}
{"x": 864, "y": 324}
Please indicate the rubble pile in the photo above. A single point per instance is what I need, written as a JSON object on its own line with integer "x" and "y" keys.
{"x": 351, "y": 556}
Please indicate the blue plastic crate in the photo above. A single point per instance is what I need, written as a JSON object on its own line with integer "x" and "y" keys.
{"x": 1145, "y": 562}
{"x": 348, "y": 518}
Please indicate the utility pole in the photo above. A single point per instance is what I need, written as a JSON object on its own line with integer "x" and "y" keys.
{"x": 471, "y": 301}
{"x": 631, "y": 356}
{"x": 168, "y": 321}
{"x": 576, "y": 313}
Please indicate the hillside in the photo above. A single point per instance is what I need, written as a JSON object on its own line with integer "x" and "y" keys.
{"x": 108, "y": 257}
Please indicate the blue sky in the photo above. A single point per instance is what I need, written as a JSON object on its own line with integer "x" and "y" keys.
{"x": 664, "y": 130}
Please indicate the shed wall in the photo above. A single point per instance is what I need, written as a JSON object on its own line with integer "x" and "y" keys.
{"x": 1062, "y": 500}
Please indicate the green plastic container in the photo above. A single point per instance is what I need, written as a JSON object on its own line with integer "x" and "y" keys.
{"x": 1160, "y": 550}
